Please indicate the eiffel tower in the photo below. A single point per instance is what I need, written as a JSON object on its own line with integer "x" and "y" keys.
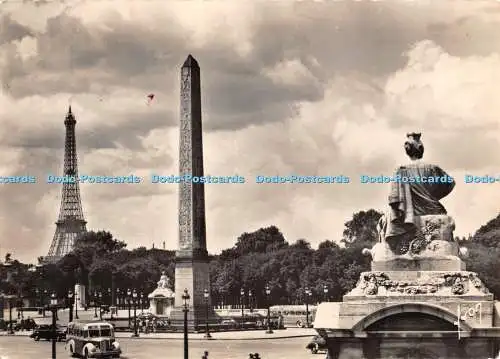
{"x": 70, "y": 224}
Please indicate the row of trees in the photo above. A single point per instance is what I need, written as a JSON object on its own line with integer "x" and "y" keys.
{"x": 259, "y": 258}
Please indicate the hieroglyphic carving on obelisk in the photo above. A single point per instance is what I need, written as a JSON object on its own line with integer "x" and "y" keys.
{"x": 192, "y": 230}
{"x": 191, "y": 271}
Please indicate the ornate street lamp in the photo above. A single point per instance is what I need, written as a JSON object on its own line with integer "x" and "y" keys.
{"x": 36, "y": 274}
{"x": 77, "y": 300}
{"x": 242, "y": 296}
{"x": 206, "y": 295}
{"x": 44, "y": 300}
{"x": 117, "y": 303}
{"x": 268, "y": 297}
{"x": 100, "y": 305}
{"x": 134, "y": 298}
{"x": 38, "y": 297}
{"x": 9, "y": 300}
{"x": 70, "y": 305}
{"x": 118, "y": 298}
{"x": 94, "y": 299}
{"x": 325, "y": 290}
{"x": 111, "y": 302}
{"x": 142, "y": 302}
{"x": 53, "y": 306}
{"x": 185, "y": 309}
{"x": 129, "y": 295}
{"x": 308, "y": 293}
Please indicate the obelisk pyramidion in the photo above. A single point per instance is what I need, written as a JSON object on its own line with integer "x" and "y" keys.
{"x": 192, "y": 265}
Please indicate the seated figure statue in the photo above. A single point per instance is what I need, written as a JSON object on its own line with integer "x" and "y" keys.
{"x": 416, "y": 223}
{"x": 164, "y": 281}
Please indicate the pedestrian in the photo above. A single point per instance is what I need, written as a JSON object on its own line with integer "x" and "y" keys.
{"x": 205, "y": 355}
{"x": 250, "y": 356}
{"x": 256, "y": 356}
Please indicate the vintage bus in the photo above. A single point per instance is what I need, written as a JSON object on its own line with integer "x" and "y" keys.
{"x": 92, "y": 340}
{"x": 295, "y": 315}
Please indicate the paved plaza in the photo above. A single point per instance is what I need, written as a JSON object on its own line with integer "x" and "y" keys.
{"x": 19, "y": 347}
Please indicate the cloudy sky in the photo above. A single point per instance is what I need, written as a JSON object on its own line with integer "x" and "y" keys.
{"x": 288, "y": 87}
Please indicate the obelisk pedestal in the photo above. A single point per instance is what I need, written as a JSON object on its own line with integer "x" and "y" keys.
{"x": 192, "y": 264}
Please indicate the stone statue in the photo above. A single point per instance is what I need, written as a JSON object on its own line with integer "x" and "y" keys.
{"x": 416, "y": 217}
{"x": 164, "y": 281}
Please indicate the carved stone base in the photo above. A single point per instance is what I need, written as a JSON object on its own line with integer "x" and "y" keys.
{"x": 437, "y": 227}
{"x": 404, "y": 283}
{"x": 419, "y": 264}
{"x": 410, "y": 296}
{"x": 430, "y": 248}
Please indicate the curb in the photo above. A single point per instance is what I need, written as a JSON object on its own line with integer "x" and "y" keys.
{"x": 267, "y": 337}
{"x": 220, "y": 339}
{"x": 14, "y": 335}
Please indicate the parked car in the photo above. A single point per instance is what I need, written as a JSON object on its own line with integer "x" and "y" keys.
{"x": 317, "y": 343}
{"x": 25, "y": 324}
{"x": 46, "y": 332}
{"x": 229, "y": 323}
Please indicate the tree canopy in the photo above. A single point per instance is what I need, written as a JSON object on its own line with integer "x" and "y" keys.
{"x": 259, "y": 258}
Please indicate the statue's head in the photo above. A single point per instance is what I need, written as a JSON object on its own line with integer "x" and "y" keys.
{"x": 413, "y": 146}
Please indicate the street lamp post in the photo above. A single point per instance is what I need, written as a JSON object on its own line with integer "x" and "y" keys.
{"x": 250, "y": 301}
{"x": 20, "y": 307}
{"x": 38, "y": 301}
{"x": 118, "y": 298}
{"x": 70, "y": 305}
{"x": 308, "y": 293}
{"x": 206, "y": 294}
{"x": 325, "y": 290}
{"x": 242, "y": 295}
{"x": 134, "y": 297}
{"x": 185, "y": 299}
{"x": 9, "y": 300}
{"x": 76, "y": 305}
{"x": 268, "y": 297}
{"x": 53, "y": 308}
{"x": 44, "y": 300}
{"x": 94, "y": 297}
{"x": 37, "y": 278}
{"x": 100, "y": 306}
{"x": 111, "y": 294}
{"x": 142, "y": 302}
{"x": 129, "y": 294}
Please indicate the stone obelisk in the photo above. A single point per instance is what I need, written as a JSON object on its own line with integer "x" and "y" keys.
{"x": 192, "y": 265}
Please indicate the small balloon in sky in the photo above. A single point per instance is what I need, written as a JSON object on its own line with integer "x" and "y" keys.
{"x": 150, "y": 98}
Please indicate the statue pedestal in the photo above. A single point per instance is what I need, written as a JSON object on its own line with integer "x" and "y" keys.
{"x": 162, "y": 298}
{"x": 413, "y": 314}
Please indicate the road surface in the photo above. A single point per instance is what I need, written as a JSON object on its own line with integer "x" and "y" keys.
{"x": 17, "y": 347}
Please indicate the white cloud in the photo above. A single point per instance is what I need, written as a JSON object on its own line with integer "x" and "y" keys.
{"x": 455, "y": 92}
{"x": 27, "y": 48}
{"x": 290, "y": 73}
